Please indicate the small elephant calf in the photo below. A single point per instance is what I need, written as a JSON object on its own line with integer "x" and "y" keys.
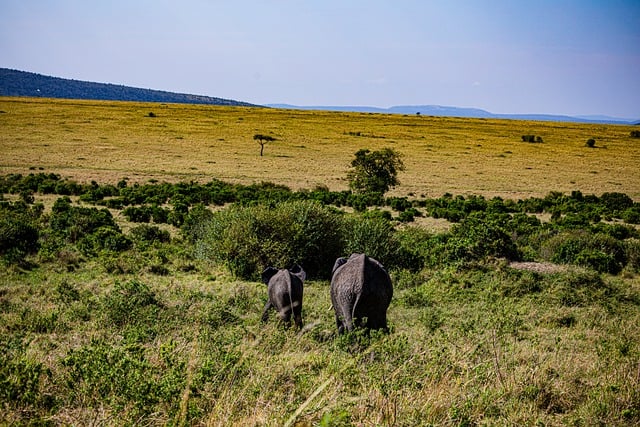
{"x": 285, "y": 293}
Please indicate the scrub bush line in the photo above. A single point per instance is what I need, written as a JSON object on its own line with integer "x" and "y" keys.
{"x": 266, "y": 224}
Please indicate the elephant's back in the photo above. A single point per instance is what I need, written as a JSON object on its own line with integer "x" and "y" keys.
{"x": 280, "y": 283}
{"x": 377, "y": 281}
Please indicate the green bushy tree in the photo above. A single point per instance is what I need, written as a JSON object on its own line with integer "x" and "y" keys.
{"x": 248, "y": 239}
{"x": 375, "y": 171}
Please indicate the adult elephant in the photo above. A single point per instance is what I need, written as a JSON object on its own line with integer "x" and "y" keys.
{"x": 361, "y": 292}
{"x": 285, "y": 289}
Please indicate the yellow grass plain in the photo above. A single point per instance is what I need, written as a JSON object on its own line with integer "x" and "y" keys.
{"x": 108, "y": 141}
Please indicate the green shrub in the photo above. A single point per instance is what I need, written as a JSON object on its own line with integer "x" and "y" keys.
{"x": 105, "y": 238}
{"x": 479, "y": 236}
{"x": 416, "y": 248}
{"x": 409, "y": 215}
{"x": 149, "y": 234}
{"x": 399, "y": 204}
{"x": 19, "y": 233}
{"x": 137, "y": 213}
{"x": 249, "y": 239}
{"x": 74, "y": 222}
{"x": 360, "y": 201}
{"x": 130, "y": 303}
{"x": 122, "y": 376}
{"x": 21, "y": 382}
{"x": 601, "y": 252}
{"x": 373, "y": 236}
{"x": 631, "y": 215}
{"x": 196, "y": 222}
{"x": 615, "y": 202}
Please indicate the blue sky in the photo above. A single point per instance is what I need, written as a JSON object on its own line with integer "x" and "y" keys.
{"x": 557, "y": 57}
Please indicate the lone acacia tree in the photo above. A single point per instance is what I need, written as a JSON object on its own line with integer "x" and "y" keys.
{"x": 375, "y": 171}
{"x": 262, "y": 140}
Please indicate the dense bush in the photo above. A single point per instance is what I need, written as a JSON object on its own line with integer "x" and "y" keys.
{"x": 616, "y": 202}
{"x": 196, "y": 223}
{"x": 361, "y": 201}
{"x": 409, "y": 215}
{"x": 73, "y": 222}
{"x": 399, "y": 204}
{"x": 479, "y": 236}
{"x": 487, "y": 227}
{"x": 416, "y": 248}
{"x": 183, "y": 195}
{"x": 137, "y": 213}
{"x": 372, "y": 235}
{"x": 632, "y": 252}
{"x": 149, "y": 234}
{"x": 19, "y": 231}
{"x": 631, "y": 215}
{"x": 599, "y": 251}
{"x": 103, "y": 239}
{"x": 249, "y": 239}
{"x": 89, "y": 230}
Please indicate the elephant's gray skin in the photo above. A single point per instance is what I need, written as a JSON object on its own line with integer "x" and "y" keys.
{"x": 360, "y": 288}
{"x": 285, "y": 288}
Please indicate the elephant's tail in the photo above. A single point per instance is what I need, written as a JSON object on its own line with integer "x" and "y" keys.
{"x": 349, "y": 322}
{"x": 290, "y": 297}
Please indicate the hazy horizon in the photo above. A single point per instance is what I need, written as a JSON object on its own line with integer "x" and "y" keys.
{"x": 574, "y": 58}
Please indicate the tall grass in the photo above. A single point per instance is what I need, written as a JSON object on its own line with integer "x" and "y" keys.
{"x": 466, "y": 347}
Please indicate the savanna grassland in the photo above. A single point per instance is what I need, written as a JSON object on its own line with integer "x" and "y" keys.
{"x": 106, "y": 142}
{"x": 131, "y": 246}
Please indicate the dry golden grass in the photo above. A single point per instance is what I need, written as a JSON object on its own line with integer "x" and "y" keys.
{"x": 108, "y": 141}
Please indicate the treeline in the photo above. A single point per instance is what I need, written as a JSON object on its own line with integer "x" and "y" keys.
{"x": 265, "y": 224}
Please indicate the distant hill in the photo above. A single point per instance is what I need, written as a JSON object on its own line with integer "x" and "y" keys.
{"x": 443, "y": 111}
{"x": 22, "y": 83}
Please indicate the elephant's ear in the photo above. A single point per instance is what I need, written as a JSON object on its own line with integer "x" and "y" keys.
{"x": 340, "y": 261}
{"x": 268, "y": 273}
{"x": 378, "y": 263}
{"x": 297, "y": 271}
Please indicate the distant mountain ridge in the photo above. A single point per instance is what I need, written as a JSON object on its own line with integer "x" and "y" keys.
{"x": 23, "y": 83}
{"x": 445, "y": 111}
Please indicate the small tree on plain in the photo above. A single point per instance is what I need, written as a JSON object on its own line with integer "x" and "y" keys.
{"x": 262, "y": 140}
{"x": 375, "y": 171}
{"x": 591, "y": 143}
